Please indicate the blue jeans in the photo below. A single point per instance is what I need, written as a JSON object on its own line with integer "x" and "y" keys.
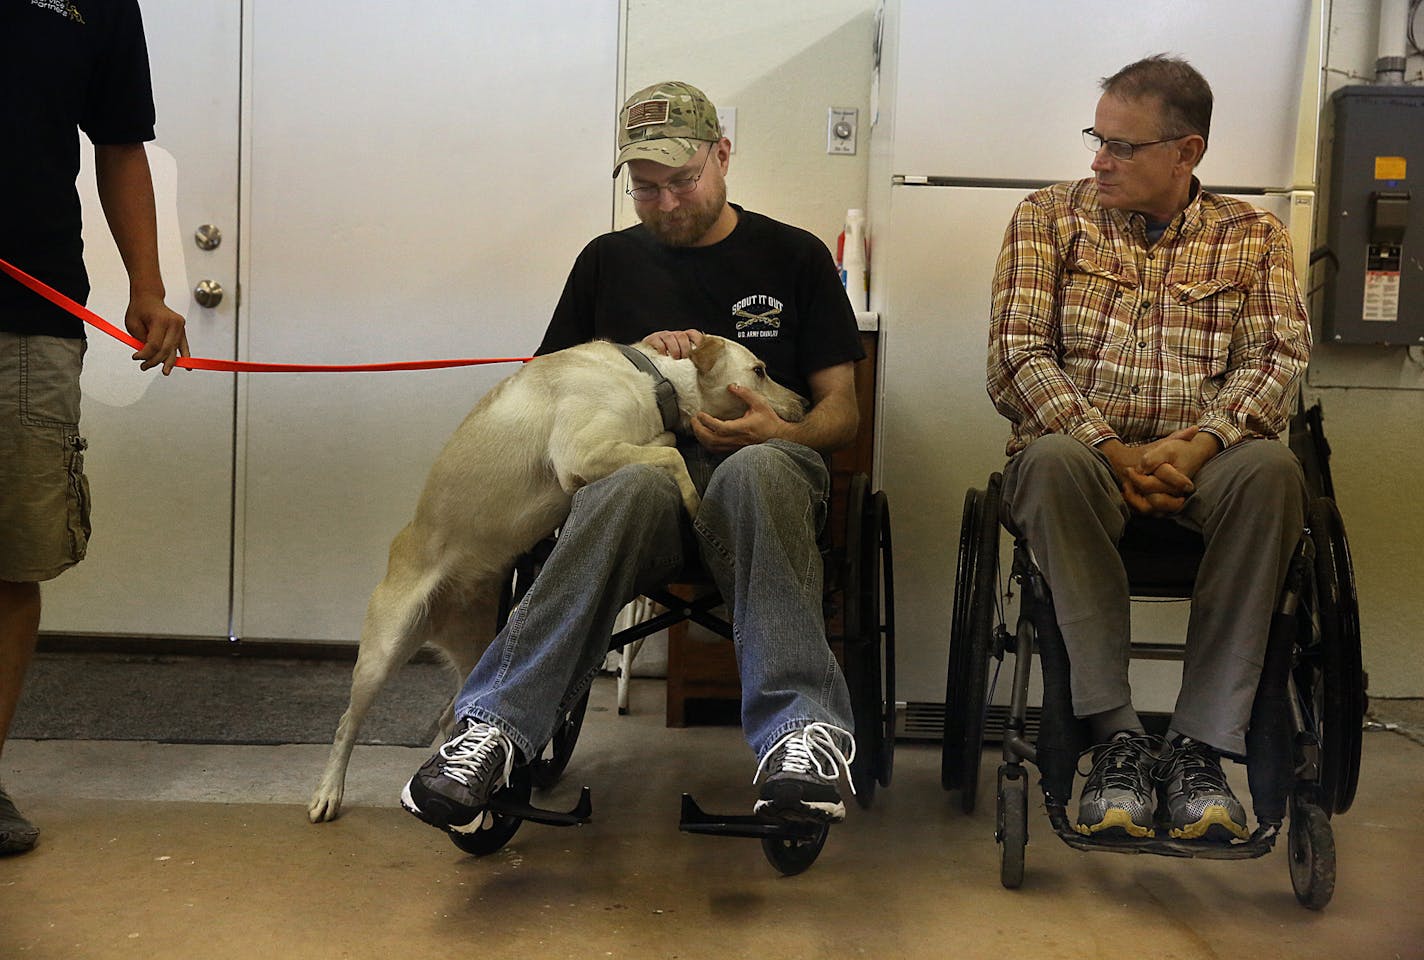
{"x": 762, "y": 508}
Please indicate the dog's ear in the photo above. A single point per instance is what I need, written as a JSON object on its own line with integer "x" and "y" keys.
{"x": 704, "y": 355}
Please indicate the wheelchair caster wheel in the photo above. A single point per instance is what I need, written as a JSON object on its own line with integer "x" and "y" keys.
{"x": 1012, "y": 828}
{"x": 792, "y": 856}
{"x": 498, "y": 828}
{"x": 1312, "y": 854}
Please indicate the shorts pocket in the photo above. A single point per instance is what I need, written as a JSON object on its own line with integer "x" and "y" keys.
{"x": 49, "y": 382}
{"x": 78, "y": 497}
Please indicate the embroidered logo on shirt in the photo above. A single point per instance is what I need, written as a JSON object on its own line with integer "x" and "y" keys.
{"x": 62, "y": 7}
{"x": 757, "y": 316}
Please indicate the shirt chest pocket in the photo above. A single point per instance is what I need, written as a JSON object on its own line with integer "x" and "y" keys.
{"x": 1091, "y": 308}
{"x": 1198, "y": 317}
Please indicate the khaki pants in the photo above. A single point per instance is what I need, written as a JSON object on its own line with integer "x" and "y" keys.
{"x": 44, "y": 495}
{"x": 1249, "y": 507}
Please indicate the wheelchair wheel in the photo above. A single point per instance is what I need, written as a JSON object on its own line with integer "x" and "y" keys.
{"x": 498, "y": 828}
{"x": 1312, "y": 854}
{"x": 549, "y": 766}
{"x": 1011, "y": 828}
{"x": 794, "y": 856}
{"x": 971, "y": 637}
{"x": 951, "y": 772}
{"x": 869, "y": 633}
{"x": 884, "y": 626}
{"x": 1329, "y": 672}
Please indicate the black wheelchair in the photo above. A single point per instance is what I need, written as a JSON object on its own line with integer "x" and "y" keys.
{"x": 1305, "y": 735}
{"x": 859, "y": 606}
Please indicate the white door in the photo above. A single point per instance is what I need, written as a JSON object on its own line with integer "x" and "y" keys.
{"x": 160, "y": 450}
{"x": 422, "y": 179}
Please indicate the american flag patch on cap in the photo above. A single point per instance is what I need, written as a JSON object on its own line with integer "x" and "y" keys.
{"x": 646, "y": 113}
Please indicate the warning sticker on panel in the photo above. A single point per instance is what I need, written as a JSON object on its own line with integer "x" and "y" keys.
{"x": 1382, "y": 283}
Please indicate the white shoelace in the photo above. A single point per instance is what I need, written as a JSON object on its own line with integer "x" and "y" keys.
{"x": 465, "y": 753}
{"x": 813, "y": 748}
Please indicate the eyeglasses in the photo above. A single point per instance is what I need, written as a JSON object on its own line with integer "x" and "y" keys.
{"x": 680, "y": 187}
{"x": 1120, "y": 149}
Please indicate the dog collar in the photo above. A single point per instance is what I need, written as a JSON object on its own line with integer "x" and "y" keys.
{"x": 662, "y": 386}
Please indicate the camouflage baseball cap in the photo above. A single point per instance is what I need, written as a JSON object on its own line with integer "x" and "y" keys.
{"x": 665, "y": 123}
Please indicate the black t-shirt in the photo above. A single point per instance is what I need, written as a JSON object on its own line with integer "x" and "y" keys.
{"x": 767, "y": 285}
{"x": 65, "y": 65}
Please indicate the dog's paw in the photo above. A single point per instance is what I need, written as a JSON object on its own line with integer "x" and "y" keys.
{"x": 324, "y": 807}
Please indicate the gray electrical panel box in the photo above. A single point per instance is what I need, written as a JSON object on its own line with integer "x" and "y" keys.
{"x": 1376, "y": 219}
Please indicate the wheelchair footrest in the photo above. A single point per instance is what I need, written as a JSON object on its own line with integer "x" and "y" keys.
{"x": 1260, "y": 843}
{"x": 510, "y": 807}
{"x": 696, "y": 820}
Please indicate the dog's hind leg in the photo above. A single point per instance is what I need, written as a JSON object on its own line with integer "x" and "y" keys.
{"x": 393, "y": 630}
{"x": 461, "y": 626}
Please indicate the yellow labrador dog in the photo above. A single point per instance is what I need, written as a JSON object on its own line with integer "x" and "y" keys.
{"x": 505, "y": 480}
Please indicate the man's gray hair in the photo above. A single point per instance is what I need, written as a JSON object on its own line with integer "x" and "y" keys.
{"x": 1184, "y": 93}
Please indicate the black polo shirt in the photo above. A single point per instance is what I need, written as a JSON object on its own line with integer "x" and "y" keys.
{"x": 65, "y": 65}
{"x": 768, "y": 285}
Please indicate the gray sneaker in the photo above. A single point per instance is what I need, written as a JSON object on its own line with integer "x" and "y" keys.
{"x": 1199, "y": 800}
{"x": 453, "y": 787}
{"x": 801, "y": 771}
{"x": 1118, "y": 795}
{"x": 17, "y": 835}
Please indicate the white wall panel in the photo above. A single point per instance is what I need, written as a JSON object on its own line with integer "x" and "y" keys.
{"x": 422, "y": 179}
{"x": 1000, "y": 90}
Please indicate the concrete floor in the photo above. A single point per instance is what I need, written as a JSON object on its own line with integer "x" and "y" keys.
{"x": 168, "y": 851}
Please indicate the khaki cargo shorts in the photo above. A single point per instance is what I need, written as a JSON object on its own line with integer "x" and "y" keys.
{"x": 44, "y": 496}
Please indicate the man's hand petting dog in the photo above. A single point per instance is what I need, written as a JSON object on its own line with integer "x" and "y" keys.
{"x": 758, "y": 424}
{"x": 677, "y": 344}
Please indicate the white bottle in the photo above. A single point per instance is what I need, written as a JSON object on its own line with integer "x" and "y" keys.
{"x": 853, "y": 259}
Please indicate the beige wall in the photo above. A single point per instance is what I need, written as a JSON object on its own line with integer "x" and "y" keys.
{"x": 781, "y": 65}
{"x": 1373, "y": 400}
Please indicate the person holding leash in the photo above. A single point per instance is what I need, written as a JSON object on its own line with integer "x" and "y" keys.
{"x": 79, "y": 64}
{"x": 694, "y": 265}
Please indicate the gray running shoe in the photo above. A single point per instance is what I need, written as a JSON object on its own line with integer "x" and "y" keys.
{"x": 801, "y": 771}
{"x": 1118, "y": 795}
{"x": 17, "y": 835}
{"x": 1198, "y": 798}
{"x": 453, "y": 787}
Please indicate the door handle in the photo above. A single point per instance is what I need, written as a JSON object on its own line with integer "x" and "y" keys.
{"x": 208, "y": 293}
{"x": 207, "y": 237}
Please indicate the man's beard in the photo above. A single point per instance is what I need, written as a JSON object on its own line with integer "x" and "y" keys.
{"x": 689, "y": 223}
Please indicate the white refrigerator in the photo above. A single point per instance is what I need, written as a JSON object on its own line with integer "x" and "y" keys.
{"x": 975, "y": 105}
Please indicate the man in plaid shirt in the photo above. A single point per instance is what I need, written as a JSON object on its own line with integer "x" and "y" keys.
{"x": 1146, "y": 342}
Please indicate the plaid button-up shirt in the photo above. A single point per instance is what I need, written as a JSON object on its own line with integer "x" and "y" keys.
{"x": 1098, "y": 334}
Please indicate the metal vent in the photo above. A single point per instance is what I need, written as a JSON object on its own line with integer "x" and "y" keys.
{"x": 925, "y": 721}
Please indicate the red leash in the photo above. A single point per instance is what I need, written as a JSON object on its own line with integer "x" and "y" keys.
{"x": 234, "y": 366}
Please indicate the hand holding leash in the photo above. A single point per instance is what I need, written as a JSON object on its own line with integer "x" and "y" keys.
{"x": 162, "y": 331}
